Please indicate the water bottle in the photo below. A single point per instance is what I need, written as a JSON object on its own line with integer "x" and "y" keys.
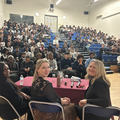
{"x": 21, "y": 80}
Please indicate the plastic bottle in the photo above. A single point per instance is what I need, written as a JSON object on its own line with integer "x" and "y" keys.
{"x": 21, "y": 80}
{"x": 58, "y": 81}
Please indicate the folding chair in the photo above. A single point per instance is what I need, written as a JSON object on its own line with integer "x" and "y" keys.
{"x": 6, "y": 106}
{"x": 100, "y": 111}
{"x": 46, "y": 107}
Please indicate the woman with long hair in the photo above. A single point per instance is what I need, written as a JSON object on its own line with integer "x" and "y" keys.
{"x": 19, "y": 98}
{"x": 42, "y": 90}
{"x": 98, "y": 91}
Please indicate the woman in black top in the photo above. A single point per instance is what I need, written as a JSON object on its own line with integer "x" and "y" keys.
{"x": 9, "y": 90}
{"x": 42, "y": 90}
{"x": 98, "y": 90}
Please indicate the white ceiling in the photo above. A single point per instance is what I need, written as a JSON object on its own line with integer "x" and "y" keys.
{"x": 80, "y": 5}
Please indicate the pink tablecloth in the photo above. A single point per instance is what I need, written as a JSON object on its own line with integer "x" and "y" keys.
{"x": 75, "y": 94}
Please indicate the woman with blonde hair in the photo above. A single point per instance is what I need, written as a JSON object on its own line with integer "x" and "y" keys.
{"x": 42, "y": 90}
{"x": 98, "y": 91}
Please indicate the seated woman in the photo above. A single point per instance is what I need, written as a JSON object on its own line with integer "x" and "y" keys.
{"x": 97, "y": 92}
{"x": 14, "y": 69}
{"x": 18, "y": 98}
{"x": 42, "y": 90}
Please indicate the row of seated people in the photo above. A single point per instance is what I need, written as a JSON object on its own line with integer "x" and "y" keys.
{"x": 24, "y": 64}
{"x": 85, "y": 37}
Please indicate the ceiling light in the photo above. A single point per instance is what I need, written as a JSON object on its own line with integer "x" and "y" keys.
{"x": 95, "y": 0}
{"x": 37, "y": 14}
{"x": 64, "y": 17}
{"x": 21, "y": 16}
{"x": 58, "y": 2}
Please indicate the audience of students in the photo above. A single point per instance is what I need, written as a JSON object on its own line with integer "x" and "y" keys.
{"x": 28, "y": 57}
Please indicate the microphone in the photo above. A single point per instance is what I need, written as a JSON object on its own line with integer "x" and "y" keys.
{"x": 78, "y": 84}
{"x": 65, "y": 83}
{"x": 72, "y": 83}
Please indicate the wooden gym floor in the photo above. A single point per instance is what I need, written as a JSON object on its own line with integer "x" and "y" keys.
{"x": 114, "y": 89}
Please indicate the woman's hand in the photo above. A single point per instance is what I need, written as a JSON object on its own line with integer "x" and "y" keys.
{"x": 25, "y": 96}
{"x": 82, "y": 102}
{"x": 65, "y": 101}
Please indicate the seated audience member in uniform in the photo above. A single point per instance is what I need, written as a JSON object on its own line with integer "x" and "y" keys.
{"x": 91, "y": 54}
{"x": 14, "y": 68}
{"x": 27, "y": 52}
{"x": 65, "y": 62}
{"x": 54, "y": 53}
{"x": 39, "y": 43}
{"x": 42, "y": 90}
{"x": 50, "y": 47}
{"x": 45, "y": 53}
{"x": 4, "y": 55}
{"x": 33, "y": 49}
{"x": 98, "y": 91}
{"x": 79, "y": 66}
{"x": 23, "y": 54}
{"x": 72, "y": 49}
{"x": 19, "y": 98}
{"x": 57, "y": 48}
{"x": 64, "y": 48}
{"x": 9, "y": 47}
{"x": 42, "y": 48}
{"x": 108, "y": 50}
{"x": 71, "y": 58}
{"x": 102, "y": 51}
{"x": 76, "y": 54}
{"x": 27, "y": 67}
{"x": 58, "y": 59}
{"x": 17, "y": 54}
{"x": 55, "y": 41}
{"x": 38, "y": 56}
{"x": 53, "y": 64}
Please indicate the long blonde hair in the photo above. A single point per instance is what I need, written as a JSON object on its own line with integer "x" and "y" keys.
{"x": 38, "y": 64}
{"x": 100, "y": 71}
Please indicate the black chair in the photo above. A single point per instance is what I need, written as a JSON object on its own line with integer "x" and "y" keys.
{"x": 100, "y": 111}
{"x": 46, "y": 107}
{"x": 7, "y": 108}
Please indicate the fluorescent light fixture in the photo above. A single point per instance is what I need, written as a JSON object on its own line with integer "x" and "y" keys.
{"x": 95, "y": 0}
{"x": 64, "y": 17}
{"x": 58, "y": 2}
{"x": 37, "y": 14}
{"x": 21, "y": 16}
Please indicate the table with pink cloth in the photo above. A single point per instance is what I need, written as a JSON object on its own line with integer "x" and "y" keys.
{"x": 74, "y": 93}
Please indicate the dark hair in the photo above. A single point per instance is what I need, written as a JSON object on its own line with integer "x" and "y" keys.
{"x": 9, "y": 53}
{"x": 91, "y": 53}
{"x": 27, "y": 57}
{"x": 67, "y": 53}
{"x": 80, "y": 56}
{"x": 16, "y": 47}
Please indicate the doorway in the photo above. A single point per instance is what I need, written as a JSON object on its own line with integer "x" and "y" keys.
{"x": 52, "y": 22}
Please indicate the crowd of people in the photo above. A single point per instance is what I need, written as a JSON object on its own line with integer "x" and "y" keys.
{"x": 87, "y": 36}
{"x": 21, "y": 45}
{"x": 23, "y": 51}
